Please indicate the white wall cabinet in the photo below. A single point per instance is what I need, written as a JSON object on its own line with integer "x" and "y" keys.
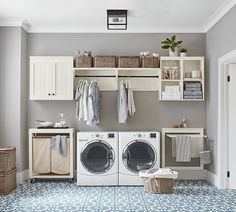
{"x": 51, "y": 78}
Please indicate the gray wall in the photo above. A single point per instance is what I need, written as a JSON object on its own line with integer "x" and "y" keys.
{"x": 24, "y": 99}
{"x": 219, "y": 41}
{"x": 151, "y": 113}
{"x": 10, "y": 71}
{"x": 13, "y": 92}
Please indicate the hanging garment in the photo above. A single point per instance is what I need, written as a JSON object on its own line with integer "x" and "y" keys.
{"x": 122, "y": 107}
{"x": 90, "y": 106}
{"x": 85, "y": 101}
{"x": 81, "y": 114}
{"x": 96, "y": 101}
{"x": 94, "y": 104}
{"x": 131, "y": 106}
{"x": 77, "y": 98}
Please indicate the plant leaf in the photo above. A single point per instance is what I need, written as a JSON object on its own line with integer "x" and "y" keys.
{"x": 179, "y": 42}
{"x": 165, "y": 46}
{"x": 173, "y": 38}
{"x": 165, "y": 42}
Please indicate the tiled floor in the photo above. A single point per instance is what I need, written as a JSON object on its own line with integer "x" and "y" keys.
{"x": 63, "y": 196}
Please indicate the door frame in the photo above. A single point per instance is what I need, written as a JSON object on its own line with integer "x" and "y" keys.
{"x": 222, "y": 146}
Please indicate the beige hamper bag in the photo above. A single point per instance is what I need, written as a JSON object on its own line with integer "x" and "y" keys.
{"x": 158, "y": 180}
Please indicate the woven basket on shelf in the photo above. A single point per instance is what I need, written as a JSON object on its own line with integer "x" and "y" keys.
{"x": 7, "y": 182}
{"x": 150, "y": 62}
{"x": 7, "y": 159}
{"x": 158, "y": 185}
{"x": 129, "y": 62}
{"x": 105, "y": 61}
{"x": 83, "y": 62}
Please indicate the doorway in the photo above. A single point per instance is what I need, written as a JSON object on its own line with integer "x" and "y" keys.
{"x": 226, "y": 176}
{"x": 231, "y": 118}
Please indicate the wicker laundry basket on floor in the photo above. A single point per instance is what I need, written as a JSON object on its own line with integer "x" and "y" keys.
{"x": 158, "y": 185}
{"x": 7, "y": 159}
{"x": 7, "y": 182}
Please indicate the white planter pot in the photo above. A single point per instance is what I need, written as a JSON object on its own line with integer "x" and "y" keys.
{"x": 174, "y": 54}
{"x": 183, "y": 54}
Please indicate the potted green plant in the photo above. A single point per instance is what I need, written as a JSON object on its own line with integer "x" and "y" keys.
{"x": 183, "y": 52}
{"x": 172, "y": 44}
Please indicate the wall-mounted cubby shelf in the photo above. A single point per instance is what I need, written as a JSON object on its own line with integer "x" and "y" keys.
{"x": 140, "y": 79}
{"x": 181, "y": 79}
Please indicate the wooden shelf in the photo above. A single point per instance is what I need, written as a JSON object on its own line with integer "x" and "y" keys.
{"x": 170, "y": 80}
{"x": 192, "y": 79}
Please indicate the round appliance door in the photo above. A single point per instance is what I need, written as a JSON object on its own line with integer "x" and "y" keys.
{"x": 138, "y": 155}
{"x": 97, "y": 157}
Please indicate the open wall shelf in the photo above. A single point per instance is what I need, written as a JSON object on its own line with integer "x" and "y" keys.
{"x": 182, "y": 79}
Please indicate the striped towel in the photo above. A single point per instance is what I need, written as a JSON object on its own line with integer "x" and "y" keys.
{"x": 183, "y": 148}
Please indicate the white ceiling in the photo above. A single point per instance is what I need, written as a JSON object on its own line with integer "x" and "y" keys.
{"x": 90, "y": 15}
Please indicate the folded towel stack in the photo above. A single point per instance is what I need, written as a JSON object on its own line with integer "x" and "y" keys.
{"x": 193, "y": 90}
{"x": 171, "y": 93}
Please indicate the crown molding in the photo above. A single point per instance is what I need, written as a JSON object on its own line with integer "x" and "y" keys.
{"x": 15, "y": 23}
{"x": 214, "y": 18}
{"x": 224, "y": 8}
{"x": 76, "y": 29}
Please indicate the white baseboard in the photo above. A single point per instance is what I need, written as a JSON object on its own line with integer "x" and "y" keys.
{"x": 192, "y": 174}
{"x": 212, "y": 178}
{"x": 21, "y": 177}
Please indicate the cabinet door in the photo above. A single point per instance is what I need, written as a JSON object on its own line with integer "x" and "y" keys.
{"x": 40, "y": 79}
{"x": 63, "y": 79}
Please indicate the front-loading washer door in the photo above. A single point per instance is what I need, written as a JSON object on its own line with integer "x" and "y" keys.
{"x": 97, "y": 157}
{"x": 138, "y": 153}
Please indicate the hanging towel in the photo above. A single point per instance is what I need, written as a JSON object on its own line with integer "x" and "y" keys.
{"x": 183, "y": 148}
{"x": 59, "y": 144}
{"x": 77, "y": 98}
{"x": 131, "y": 106}
{"x": 197, "y": 144}
{"x": 122, "y": 107}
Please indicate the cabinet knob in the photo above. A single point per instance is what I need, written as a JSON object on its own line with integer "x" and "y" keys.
{"x": 53, "y": 94}
{"x": 49, "y": 94}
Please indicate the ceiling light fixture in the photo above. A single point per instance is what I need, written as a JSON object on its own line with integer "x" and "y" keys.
{"x": 117, "y": 19}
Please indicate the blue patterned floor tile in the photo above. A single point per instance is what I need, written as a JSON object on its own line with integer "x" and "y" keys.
{"x": 62, "y": 196}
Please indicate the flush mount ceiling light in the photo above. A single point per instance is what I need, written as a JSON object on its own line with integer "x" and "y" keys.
{"x": 117, "y": 19}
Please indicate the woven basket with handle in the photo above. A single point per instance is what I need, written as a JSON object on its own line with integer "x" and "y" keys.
{"x": 105, "y": 61}
{"x": 158, "y": 185}
{"x": 129, "y": 62}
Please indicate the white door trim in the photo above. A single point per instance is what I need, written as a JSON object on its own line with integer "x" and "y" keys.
{"x": 222, "y": 117}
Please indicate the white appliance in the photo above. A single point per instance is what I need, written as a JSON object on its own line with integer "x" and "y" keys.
{"x": 137, "y": 150}
{"x": 97, "y": 158}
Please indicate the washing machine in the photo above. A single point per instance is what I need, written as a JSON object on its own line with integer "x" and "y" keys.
{"x": 97, "y": 158}
{"x": 137, "y": 150}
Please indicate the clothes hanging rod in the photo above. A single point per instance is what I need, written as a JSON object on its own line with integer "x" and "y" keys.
{"x": 183, "y": 134}
{"x": 105, "y": 76}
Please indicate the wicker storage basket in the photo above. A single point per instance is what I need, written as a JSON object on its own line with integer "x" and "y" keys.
{"x": 7, "y": 159}
{"x": 129, "y": 62}
{"x": 7, "y": 182}
{"x": 83, "y": 62}
{"x": 150, "y": 62}
{"x": 105, "y": 61}
{"x": 158, "y": 185}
